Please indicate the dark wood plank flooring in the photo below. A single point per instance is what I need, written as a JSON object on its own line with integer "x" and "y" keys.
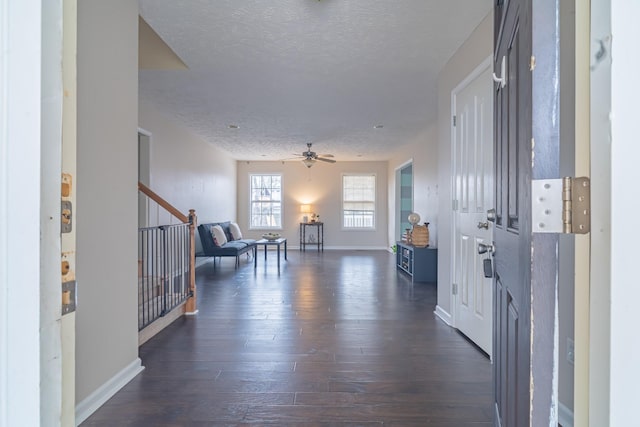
{"x": 333, "y": 339}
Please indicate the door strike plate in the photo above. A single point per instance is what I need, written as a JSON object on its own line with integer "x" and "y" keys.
{"x": 65, "y": 217}
{"x": 68, "y": 297}
{"x": 561, "y": 205}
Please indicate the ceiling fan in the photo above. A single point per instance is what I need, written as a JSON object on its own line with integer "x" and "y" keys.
{"x": 309, "y": 157}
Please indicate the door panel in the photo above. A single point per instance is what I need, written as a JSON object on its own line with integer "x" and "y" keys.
{"x": 511, "y": 367}
{"x": 512, "y": 148}
{"x": 526, "y": 265}
{"x": 512, "y": 358}
{"x": 473, "y": 172}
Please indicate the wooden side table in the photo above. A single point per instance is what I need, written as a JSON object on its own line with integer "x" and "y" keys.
{"x": 319, "y": 233}
{"x": 265, "y": 243}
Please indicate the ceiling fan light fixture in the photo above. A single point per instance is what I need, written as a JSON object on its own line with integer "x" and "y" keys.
{"x": 308, "y": 162}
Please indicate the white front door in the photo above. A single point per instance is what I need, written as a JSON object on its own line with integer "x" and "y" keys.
{"x": 473, "y": 192}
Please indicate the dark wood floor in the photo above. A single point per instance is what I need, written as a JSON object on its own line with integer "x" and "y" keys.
{"x": 335, "y": 339}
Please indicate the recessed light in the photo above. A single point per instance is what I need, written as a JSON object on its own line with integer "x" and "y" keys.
{"x": 234, "y": 127}
{"x": 378, "y": 126}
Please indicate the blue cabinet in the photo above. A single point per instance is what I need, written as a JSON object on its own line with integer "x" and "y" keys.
{"x": 419, "y": 263}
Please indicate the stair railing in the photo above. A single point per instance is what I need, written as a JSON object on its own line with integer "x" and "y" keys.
{"x": 166, "y": 251}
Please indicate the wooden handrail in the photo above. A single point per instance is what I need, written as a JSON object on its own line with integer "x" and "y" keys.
{"x": 192, "y": 220}
{"x": 162, "y": 202}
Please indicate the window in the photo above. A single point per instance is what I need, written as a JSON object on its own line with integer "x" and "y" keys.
{"x": 358, "y": 201}
{"x": 266, "y": 201}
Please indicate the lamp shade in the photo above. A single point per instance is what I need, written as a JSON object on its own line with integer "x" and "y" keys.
{"x": 305, "y": 208}
{"x": 413, "y": 218}
{"x": 308, "y": 162}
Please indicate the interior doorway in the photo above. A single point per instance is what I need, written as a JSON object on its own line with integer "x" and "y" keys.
{"x": 404, "y": 197}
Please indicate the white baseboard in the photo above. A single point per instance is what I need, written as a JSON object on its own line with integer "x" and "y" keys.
{"x": 312, "y": 247}
{"x": 565, "y": 416}
{"x": 443, "y": 315}
{"x": 159, "y": 324}
{"x": 96, "y": 399}
{"x": 356, "y": 248}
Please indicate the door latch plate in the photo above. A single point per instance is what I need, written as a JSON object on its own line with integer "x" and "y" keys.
{"x": 68, "y": 297}
{"x": 66, "y": 217}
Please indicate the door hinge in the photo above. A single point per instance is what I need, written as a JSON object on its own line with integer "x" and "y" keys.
{"x": 561, "y": 205}
{"x": 454, "y": 289}
{"x": 454, "y": 121}
{"x": 532, "y": 63}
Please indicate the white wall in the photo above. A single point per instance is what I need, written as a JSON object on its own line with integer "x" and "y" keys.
{"x": 423, "y": 151}
{"x": 625, "y": 292}
{"x": 321, "y": 186}
{"x": 599, "y": 355}
{"x": 474, "y": 50}
{"x": 105, "y": 215}
{"x": 187, "y": 171}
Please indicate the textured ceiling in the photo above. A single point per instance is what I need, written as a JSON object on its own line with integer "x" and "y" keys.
{"x": 289, "y": 72}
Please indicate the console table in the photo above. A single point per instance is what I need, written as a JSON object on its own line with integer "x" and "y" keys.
{"x": 419, "y": 263}
{"x": 319, "y": 235}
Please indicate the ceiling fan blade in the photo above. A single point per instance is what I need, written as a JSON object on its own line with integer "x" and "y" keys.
{"x": 326, "y": 155}
{"x": 322, "y": 159}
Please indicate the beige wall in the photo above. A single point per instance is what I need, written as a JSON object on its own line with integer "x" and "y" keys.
{"x": 105, "y": 215}
{"x": 187, "y": 171}
{"x": 423, "y": 152}
{"x": 321, "y": 186}
{"x": 474, "y": 50}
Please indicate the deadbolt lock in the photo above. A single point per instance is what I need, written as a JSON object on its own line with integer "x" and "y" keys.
{"x": 491, "y": 215}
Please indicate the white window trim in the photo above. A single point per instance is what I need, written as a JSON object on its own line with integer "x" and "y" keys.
{"x": 249, "y": 225}
{"x": 375, "y": 202}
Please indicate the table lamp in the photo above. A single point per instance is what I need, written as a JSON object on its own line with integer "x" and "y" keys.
{"x": 306, "y": 210}
{"x": 413, "y": 218}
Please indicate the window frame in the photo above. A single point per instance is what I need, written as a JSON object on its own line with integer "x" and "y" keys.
{"x": 374, "y": 201}
{"x": 251, "y": 202}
